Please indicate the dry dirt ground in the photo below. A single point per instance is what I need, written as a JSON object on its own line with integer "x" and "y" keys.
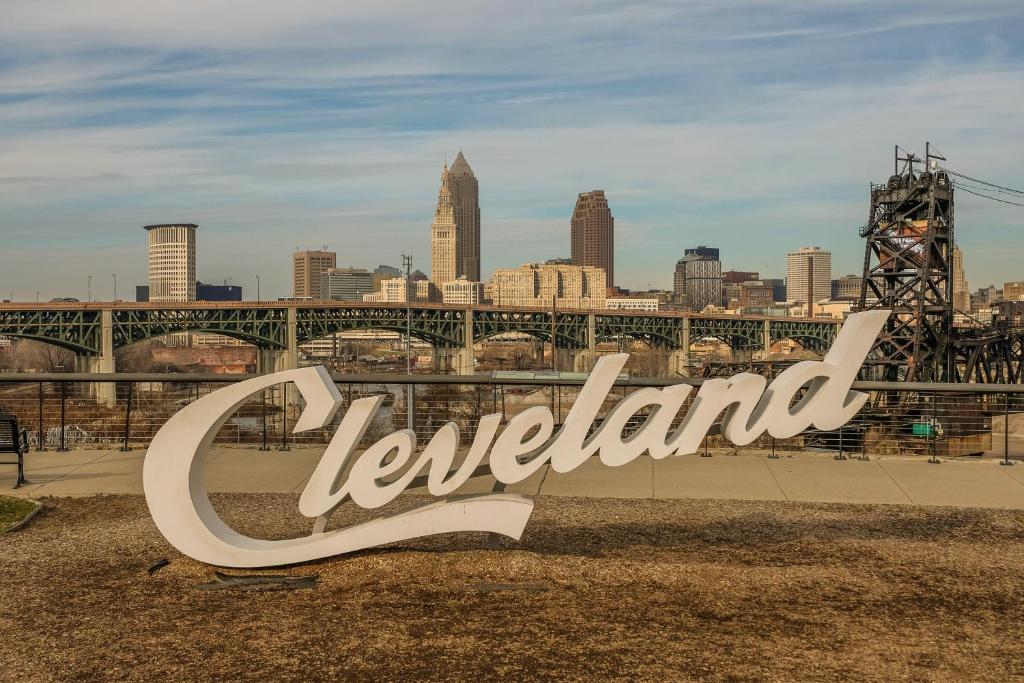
{"x": 596, "y": 590}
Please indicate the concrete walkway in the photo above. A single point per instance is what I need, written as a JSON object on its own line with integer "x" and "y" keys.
{"x": 797, "y": 476}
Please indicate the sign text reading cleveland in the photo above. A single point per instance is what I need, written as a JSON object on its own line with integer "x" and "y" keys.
{"x": 176, "y": 491}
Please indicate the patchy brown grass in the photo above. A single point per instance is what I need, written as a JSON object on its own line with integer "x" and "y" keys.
{"x": 13, "y": 510}
{"x": 597, "y": 589}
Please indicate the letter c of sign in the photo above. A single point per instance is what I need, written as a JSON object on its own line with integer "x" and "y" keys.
{"x": 175, "y": 487}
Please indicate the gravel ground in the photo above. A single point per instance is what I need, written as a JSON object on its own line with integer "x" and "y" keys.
{"x": 597, "y": 589}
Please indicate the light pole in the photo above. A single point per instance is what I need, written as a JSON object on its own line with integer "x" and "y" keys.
{"x": 407, "y": 264}
{"x": 89, "y": 288}
{"x": 37, "y": 297}
{"x": 257, "y": 288}
{"x": 114, "y": 275}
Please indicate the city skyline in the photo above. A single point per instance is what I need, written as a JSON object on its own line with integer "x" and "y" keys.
{"x": 308, "y": 127}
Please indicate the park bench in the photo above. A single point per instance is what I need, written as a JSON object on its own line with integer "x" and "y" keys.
{"x": 14, "y": 441}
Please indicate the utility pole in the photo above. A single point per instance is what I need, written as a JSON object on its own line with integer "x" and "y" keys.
{"x": 410, "y": 389}
{"x": 554, "y": 333}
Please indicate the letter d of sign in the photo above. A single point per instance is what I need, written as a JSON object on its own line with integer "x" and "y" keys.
{"x": 176, "y": 491}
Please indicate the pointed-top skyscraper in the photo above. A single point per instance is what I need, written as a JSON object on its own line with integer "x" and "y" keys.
{"x": 455, "y": 236}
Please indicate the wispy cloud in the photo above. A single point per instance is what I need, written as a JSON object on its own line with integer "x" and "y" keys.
{"x": 750, "y": 125}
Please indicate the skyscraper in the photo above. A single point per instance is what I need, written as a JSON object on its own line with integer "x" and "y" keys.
{"x": 172, "y": 262}
{"x": 346, "y": 284}
{"x": 808, "y": 273}
{"x": 466, "y": 201}
{"x": 455, "y": 234}
{"x": 593, "y": 234}
{"x": 307, "y": 269}
{"x": 698, "y": 279}
{"x": 961, "y": 292}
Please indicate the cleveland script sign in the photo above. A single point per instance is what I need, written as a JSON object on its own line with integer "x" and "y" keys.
{"x": 176, "y": 492}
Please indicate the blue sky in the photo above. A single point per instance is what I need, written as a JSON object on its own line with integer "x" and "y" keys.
{"x": 751, "y": 126}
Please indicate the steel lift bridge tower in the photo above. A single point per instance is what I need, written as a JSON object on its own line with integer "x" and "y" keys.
{"x": 908, "y": 269}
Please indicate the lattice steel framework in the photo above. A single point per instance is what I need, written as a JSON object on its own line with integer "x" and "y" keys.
{"x": 989, "y": 356}
{"x": 809, "y": 334}
{"x": 263, "y": 327}
{"x": 440, "y": 327}
{"x": 80, "y": 329}
{"x": 908, "y": 270}
{"x": 738, "y": 333}
{"x": 570, "y": 327}
{"x": 658, "y": 332}
{"x": 76, "y": 330}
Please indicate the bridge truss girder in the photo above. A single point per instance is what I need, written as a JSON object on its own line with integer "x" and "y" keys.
{"x": 441, "y": 328}
{"x": 266, "y": 328}
{"x": 989, "y": 357}
{"x": 570, "y": 328}
{"x": 738, "y": 333}
{"x": 75, "y": 330}
{"x": 810, "y": 335}
{"x": 656, "y": 331}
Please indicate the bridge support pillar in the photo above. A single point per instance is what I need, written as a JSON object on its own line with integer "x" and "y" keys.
{"x": 567, "y": 359}
{"x": 273, "y": 360}
{"x": 465, "y": 358}
{"x": 105, "y": 393}
{"x": 679, "y": 360}
{"x": 766, "y": 339}
{"x": 583, "y": 360}
{"x": 293, "y": 344}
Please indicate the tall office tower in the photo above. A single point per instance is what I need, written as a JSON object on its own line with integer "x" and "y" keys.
{"x": 707, "y": 253}
{"x": 308, "y": 268}
{"x": 455, "y": 234}
{"x": 172, "y": 262}
{"x": 346, "y": 284}
{"x": 444, "y": 235}
{"x": 697, "y": 280}
{"x": 593, "y": 234}
{"x": 808, "y": 274}
{"x": 961, "y": 292}
{"x": 466, "y": 202}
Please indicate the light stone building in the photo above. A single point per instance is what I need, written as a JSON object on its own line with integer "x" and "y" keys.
{"x": 172, "y": 262}
{"x": 1013, "y": 291}
{"x": 392, "y": 291}
{"x": 539, "y": 285}
{"x": 627, "y": 303}
{"x": 808, "y": 272}
{"x": 308, "y": 268}
{"x": 463, "y": 292}
{"x": 426, "y": 292}
{"x": 455, "y": 233}
{"x": 847, "y": 288}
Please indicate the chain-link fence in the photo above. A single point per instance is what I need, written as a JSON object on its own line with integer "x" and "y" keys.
{"x": 938, "y": 420}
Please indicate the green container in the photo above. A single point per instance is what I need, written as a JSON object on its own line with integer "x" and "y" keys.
{"x": 923, "y": 429}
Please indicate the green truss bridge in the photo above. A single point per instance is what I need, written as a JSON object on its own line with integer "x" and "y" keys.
{"x": 94, "y": 330}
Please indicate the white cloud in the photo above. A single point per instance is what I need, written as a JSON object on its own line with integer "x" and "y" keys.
{"x": 749, "y": 126}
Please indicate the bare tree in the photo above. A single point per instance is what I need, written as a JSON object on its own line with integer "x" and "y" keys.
{"x": 28, "y": 354}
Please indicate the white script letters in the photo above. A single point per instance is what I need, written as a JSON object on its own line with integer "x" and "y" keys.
{"x": 173, "y": 474}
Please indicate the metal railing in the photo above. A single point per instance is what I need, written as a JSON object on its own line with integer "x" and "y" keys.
{"x": 63, "y": 411}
